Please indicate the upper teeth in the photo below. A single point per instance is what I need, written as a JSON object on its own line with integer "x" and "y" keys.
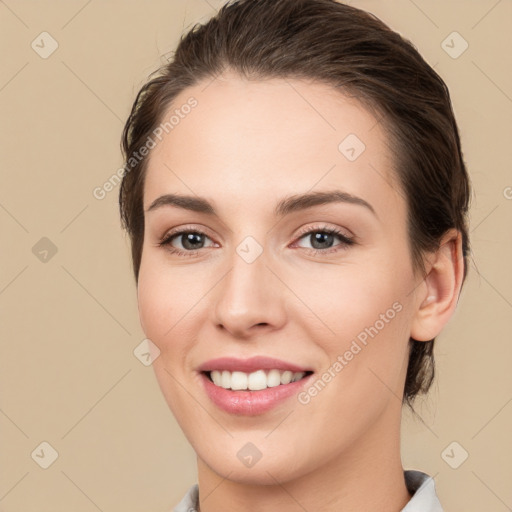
{"x": 255, "y": 380}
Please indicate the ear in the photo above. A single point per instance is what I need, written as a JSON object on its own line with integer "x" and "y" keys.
{"x": 437, "y": 296}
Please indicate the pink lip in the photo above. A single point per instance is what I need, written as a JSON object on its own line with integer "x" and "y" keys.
{"x": 249, "y": 365}
{"x": 251, "y": 403}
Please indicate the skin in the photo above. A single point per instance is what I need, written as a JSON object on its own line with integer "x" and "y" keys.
{"x": 246, "y": 146}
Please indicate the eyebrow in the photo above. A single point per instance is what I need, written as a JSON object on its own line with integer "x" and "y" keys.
{"x": 286, "y": 206}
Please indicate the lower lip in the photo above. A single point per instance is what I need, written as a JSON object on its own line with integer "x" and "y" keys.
{"x": 251, "y": 403}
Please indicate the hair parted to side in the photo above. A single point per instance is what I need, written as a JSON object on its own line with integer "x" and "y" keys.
{"x": 354, "y": 52}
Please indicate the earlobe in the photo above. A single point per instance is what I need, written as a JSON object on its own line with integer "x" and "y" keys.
{"x": 441, "y": 288}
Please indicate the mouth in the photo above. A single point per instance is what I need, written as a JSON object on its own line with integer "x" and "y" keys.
{"x": 252, "y": 386}
{"x": 241, "y": 394}
{"x": 254, "y": 381}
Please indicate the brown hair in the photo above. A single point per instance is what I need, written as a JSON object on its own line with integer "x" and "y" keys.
{"x": 348, "y": 49}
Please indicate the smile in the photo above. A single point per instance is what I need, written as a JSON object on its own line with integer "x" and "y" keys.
{"x": 248, "y": 402}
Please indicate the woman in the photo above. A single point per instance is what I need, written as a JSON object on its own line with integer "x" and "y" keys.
{"x": 296, "y": 199}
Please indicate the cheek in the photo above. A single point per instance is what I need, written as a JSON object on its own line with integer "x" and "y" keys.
{"x": 161, "y": 302}
{"x": 361, "y": 314}
{"x": 164, "y": 311}
{"x": 166, "y": 298}
{"x": 152, "y": 302}
{"x": 173, "y": 307}
{"x": 346, "y": 299}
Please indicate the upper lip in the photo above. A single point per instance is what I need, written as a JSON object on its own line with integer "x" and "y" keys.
{"x": 249, "y": 365}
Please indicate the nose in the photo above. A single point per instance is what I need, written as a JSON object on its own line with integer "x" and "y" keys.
{"x": 250, "y": 298}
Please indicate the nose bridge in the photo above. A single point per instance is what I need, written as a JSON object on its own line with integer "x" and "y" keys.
{"x": 249, "y": 294}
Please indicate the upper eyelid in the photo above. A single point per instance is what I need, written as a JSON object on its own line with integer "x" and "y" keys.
{"x": 325, "y": 227}
{"x": 186, "y": 229}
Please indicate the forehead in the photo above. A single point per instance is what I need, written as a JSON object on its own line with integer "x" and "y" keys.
{"x": 260, "y": 140}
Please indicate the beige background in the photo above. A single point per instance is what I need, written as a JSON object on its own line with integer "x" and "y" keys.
{"x": 69, "y": 324}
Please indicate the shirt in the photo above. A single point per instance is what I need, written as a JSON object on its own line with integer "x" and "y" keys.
{"x": 419, "y": 484}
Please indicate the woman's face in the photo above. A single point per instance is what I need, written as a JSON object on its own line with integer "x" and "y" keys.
{"x": 260, "y": 273}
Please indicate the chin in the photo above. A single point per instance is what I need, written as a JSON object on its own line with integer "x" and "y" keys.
{"x": 259, "y": 474}
{"x": 241, "y": 468}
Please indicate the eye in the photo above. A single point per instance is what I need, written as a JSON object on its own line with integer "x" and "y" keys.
{"x": 191, "y": 241}
{"x": 322, "y": 239}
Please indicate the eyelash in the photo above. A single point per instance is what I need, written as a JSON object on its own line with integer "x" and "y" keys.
{"x": 345, "y": 240}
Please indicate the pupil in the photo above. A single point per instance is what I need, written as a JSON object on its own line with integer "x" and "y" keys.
{"x": 192, "y": 238}
{"x": 318, "y": 238}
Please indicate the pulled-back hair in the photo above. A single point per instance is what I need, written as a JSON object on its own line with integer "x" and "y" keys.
{"x": 350, "y": 50}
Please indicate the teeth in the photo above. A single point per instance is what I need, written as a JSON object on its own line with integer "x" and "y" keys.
{"x": 286, "y": 377}
{"x": 273, "y": 378}
{"x": 254, "y": 381}
{"x": 238, "y": 380}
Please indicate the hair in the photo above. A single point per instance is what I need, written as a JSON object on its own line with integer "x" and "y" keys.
{"x": 354, "y": 52}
